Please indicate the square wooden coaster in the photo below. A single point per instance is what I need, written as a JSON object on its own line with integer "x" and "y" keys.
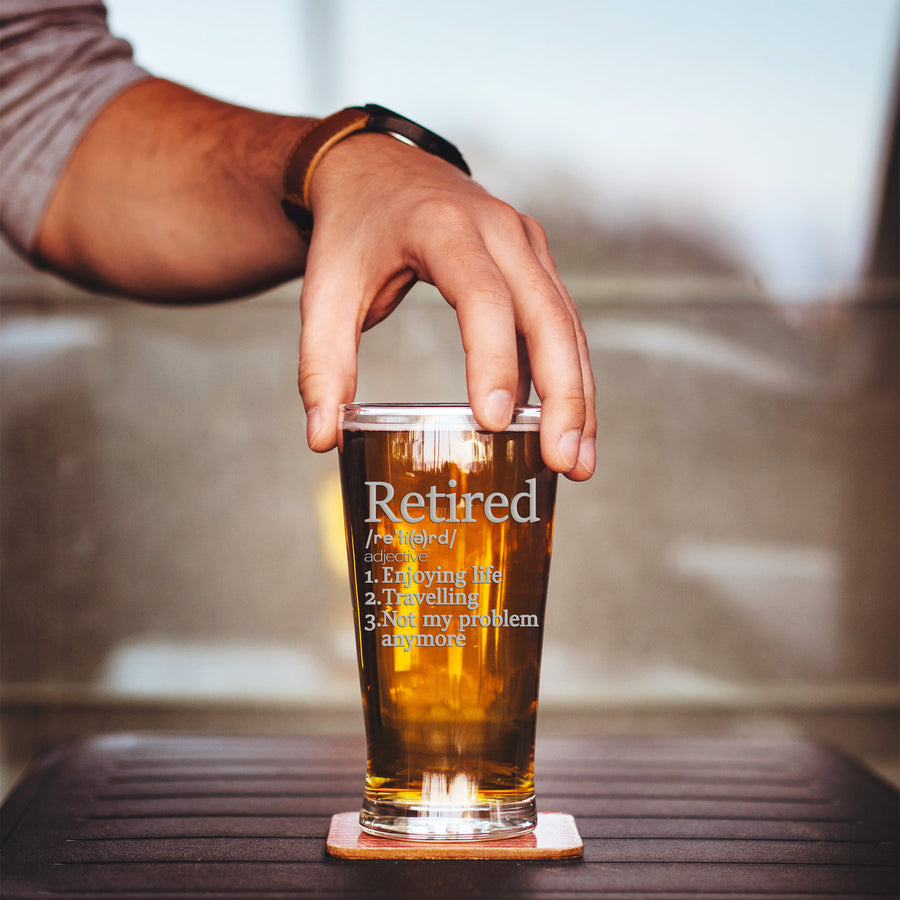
{"x": 555, "y": 837}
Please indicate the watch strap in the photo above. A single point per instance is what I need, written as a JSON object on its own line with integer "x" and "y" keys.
{"x": 306, "y": 154}
{"x": 386, "y": 121}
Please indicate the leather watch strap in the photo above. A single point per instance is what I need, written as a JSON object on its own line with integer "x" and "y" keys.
{"x": 305, "y": 155}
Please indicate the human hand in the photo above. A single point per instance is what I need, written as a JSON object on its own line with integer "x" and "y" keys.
{"x": 387, "y": 215}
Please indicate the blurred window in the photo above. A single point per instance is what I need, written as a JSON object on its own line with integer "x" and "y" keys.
{"x": 717, "y": 137}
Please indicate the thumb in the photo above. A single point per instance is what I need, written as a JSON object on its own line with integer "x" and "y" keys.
{"x": 326, "y": 377}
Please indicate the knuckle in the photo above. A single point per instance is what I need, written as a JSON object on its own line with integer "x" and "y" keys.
{"x": 535, "y": 231}
{"x": 507, "y": 222}
{"x": 553, "y": 316}
{"x": 308, "y": 373}
{"x": 487, "y": 359}
{"x": 493, "y": 296}
{"x": 460, "y": 214}
{"x": 316, "y": 368}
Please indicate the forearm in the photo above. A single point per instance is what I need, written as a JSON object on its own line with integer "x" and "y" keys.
{"x": 174, "y": 196}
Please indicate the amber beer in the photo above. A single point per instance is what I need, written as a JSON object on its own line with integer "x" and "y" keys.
{"x": 449, "y": 532}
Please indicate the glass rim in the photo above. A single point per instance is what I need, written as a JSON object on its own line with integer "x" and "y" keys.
{"x": 427, "y": 416}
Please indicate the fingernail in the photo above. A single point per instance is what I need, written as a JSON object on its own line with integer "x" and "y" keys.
{"x": 569, "y": 445}
{"x": 313, "y": 425}
{"x": 498, "y": 408}
{"x": 587, "y": 455}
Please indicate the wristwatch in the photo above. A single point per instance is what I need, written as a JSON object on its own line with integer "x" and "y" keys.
{"x": 316, "y": 141}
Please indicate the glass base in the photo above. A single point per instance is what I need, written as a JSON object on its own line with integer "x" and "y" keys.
{"x": 488, "y": 821}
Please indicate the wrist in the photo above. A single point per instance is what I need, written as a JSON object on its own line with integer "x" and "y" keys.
{"x": 316, "y": 143}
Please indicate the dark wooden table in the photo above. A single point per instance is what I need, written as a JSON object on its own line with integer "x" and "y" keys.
{"x": 142, "y": 816}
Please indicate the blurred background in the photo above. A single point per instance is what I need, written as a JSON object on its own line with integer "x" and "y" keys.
{"x": 718, "y": 183}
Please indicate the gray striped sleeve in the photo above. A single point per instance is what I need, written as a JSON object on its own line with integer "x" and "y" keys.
{"x": 59, "y": 66}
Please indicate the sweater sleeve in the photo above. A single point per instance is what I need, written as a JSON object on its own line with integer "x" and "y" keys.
{"x": 59, "y": 67}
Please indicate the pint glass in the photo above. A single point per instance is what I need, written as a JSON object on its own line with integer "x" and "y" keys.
{"x": 449, "y": 531}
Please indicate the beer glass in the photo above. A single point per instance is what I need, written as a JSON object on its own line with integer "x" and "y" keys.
{"x": 449, "y": 532}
